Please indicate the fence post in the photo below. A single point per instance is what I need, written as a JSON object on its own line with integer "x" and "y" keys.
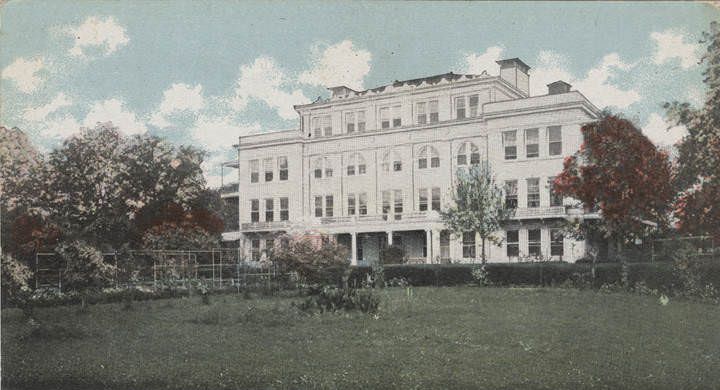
{"x": 36, "y": 271}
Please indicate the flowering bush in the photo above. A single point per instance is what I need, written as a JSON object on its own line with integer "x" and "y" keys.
{"x": 85, "y": 268}
{"x": 326, "y": 264}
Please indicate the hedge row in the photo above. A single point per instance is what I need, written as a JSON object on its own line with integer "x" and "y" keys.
{"x": 655, "y": 275}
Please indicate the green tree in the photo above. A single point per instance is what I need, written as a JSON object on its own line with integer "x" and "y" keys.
{"x": 697, "y": 172}
{"x": 477, "y": 205}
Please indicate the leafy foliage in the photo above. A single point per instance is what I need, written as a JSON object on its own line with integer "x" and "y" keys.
{"x": 324, "y": 264}
{"x": 16, "y": 277}
{"x": 331, "y": 299}
{"x": 392, "y": 254}
{"x": 85, "y": 268}
{"x": 183, "y": 236}
{"x": 477, "y": 205}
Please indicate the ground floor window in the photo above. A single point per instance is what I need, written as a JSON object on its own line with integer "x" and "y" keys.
{"x": 512, "y": 242}
{"x": 445, "y": 245}
{"x": 255, "y": 250}
{"x": 269, "y": 246}
{"x": 468, "y": 245}
{"x": 534, "y": 242}
{"x": 557, "y": 242}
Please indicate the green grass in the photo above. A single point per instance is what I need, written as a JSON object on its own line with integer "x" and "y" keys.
{"x": 463, "y": 337}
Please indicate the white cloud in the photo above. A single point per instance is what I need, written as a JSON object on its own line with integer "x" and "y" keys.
{"x": 97, "y": 33}
{"x": 474, "y": 63}
{"x": 338, "y": 64}
{"x": 670, "y": 44}
{"x": 661, "y": 132}
{"x": 211, "y": 169}
{"x": 24, "y": 73}
{"x": 217, "y": 133}
{"x": 178, "y": 98}
{"x": 38, "y": 114}
{"x": 263, "y": 80}
{"x": 597, "y": 84}
{"x": 61, "y": 127}
{"x": 112, "y": 110}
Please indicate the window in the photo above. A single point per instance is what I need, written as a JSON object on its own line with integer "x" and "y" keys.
{"x": 386, "y": 203}
{"x": 391, "y": 160}
{"x": 534, "y": 242}
{"x": 423, "y": 203}
{"x": 351, "y": 170}
{"x": 268, "y": 166}
{"x": 532, "y": 147}
{"x": 512, "y": 243}
{"x": 322, "y": 166}
{"x": 328, "y": 168}
{"x": 468, "y": 245}
{"x": 254, "y": 210}
{"x": 428, "y": 153}
{"x": 397, "y": 121}
{"x": 555, "y": 198}
{"x": 510, "y": 144}
{"x": 468, "y": 148}
{"x": 473, "y": 105}
{"x": 421, "y": 113}
{"x": 435, "y": 205}
{"x": 361, "y": 121}
{"x": 350, "y": 122}
{"x": 269, "y": 212}
{"x": 284, "y": 209}
{"x": 554, "y": 140}
{"x": 351, "y": 204}
{"x": 318, "y": 206}
{"x": 255, "y": 250}
{"x": 254, "y": 171}
{"x": 317, "y": 168}
{"x": 385, "y": 118}
{"x": 317, "y": 131}
{"x": 326, "y": 125}
{"x": 511, "y": 194}
{"x": 433, "y": 108}
{"x": 398, "y": 204}
{"x": 557, "y": 242}
{"x": 269, "y": 246}
{"x": 363, "y": 204}
{"x": 356, "y": 165}
{"x": 460, "y": 107}
{"x": 533, "y": 193}
{"x": 283, "y": 167}
{"x": 329, "y": 206}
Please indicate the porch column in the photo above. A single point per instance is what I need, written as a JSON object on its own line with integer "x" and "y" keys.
{"x": 353, "y": 249}
{"x": 389, "y": 238}
{"x": 436, "y": 244}
{"x": 428, "y": 244}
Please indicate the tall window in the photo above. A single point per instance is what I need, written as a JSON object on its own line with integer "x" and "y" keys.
{"x": 534, "y": 242}
{"x": 557, "y": 242}
{"x": 329, "y": 206}
{"x": 421, "y": 113}
{"x": 460, "y": 107}
{"x": 431, "y": 197}
{"x": 433, "y": 109}
{"x": 398, "y": 204}
{"x": 473, "y": 103}
{"x": 268, "y": 166}
{"x": 468, "y": 149}
{"x": 351, "y": 204}
{"x": 385, "y": 118}
{"x": 556, "y": 199}
{"x": 284, "y": 209}
{"x": 322, "y": 166}
{"x": 392, "y": 162}
{"x": 361, "y": 121}
{"x": 428, "y": 154}
{"x": 326, "y": 125}
{"x": 533, "y": 193}
{"x": 328, "y": 168}
{"x": 554, "y": 140}
{"x": 362, "y": 198}
{"x": 356, "y": 165}
{"x": 269, "y": 246}
{"x": 283, "y": 167}
{"x": 318, "y": 206}
{"x": 386, "y": 197}
{"x": 269, "y": 210}
{"x": 254, "y": 171}
{"x": 397, "y": 121}
{"x": 468, "y": 245}
{"x": 510, "y": 144}
{"x": 532, "y": 143}
{"x": 317, "y": 129}
{"x": 435, "y": 204}
{"x": 350, "y": 122}
{"x": 423, "y": 203}
{"x": 512, "y": 243}
{"x": 254, "y": 210}
{"x": 255, "y": 250}
{"x": 511, "y": 194}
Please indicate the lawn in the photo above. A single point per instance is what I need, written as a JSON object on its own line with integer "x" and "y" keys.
{"x": 462, "y": 337}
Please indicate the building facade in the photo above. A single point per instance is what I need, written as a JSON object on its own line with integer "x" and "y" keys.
{"x": 373, "y": 168}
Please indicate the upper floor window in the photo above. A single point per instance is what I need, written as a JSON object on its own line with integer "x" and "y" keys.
{"x": 322, "y": 166}
{"x": 460, "y": 107}
{"x": 556, "y": 199}
{"x": 466, "y": 106}
{"x": 468, "y": 149}
{"x": 268, "y": 166}
{"x": 421, "y": 113}
{"x": 269, "y": 210}
{"x": 283, "y": 167}
{"x": 392, "y": 162}
{"x": 433, "y": 110}
{"x": 254, "y": 171}
{"x": 385, "y": 118}
{"x": 554, "y": 140}
{"x": 533, "y": 193}
{"x": 355, "y": 121}
{"x": 329, "y": 206}
{"x": 428, "y": 153}
{"x": 356, "y": 165}
{"x": 473, "y": 105}
{"x": 284, "y": 209}
{"x": 511, "y": 194}
{"x": 510, "y": 144}
{"x": 350, "y": 122}
{"x": 322, "y": 126}
{"x": 254, "y": 210}
{"x": 429, "y": 198}
{"x": 396, "y": 115}
{"x": 532, "y": 143}
{"x": 318, "y": 206}
{"x": 357, "y": 204}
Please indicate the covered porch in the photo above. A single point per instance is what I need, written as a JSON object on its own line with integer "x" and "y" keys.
{"x": 425, "y": 246}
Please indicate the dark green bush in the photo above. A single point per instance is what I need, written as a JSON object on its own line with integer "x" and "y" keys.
{"x": 331, "y": 299}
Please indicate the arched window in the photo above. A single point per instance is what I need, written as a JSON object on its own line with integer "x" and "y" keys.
{"x": 468, "y": 152}
{"x": 428, "y": 157}
{"x": 392, "y": 162}
{"x": 356, "y": 165}
{"x": 322, "y": 168}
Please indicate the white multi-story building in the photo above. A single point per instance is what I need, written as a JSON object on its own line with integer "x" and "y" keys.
{"x": 372, "y": 168}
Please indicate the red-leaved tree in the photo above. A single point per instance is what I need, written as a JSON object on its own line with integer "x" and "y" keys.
{"x": 621, "y": 173}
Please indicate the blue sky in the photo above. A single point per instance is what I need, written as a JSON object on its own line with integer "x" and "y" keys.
{"x": 204, "y": 72}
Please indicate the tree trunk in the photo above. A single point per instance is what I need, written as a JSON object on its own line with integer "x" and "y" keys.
{"x": 483, "y": 250}
{"x": 624, "y": 269}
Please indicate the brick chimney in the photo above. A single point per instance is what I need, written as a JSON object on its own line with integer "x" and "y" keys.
{"x": 515, "y": 72}
{"x": 558, "y": 87}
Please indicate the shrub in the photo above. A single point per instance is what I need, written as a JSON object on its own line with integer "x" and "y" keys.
{"x": 326, "y": 264}
{"x": 331, "y": 299}
{"x": 85, "y": 268}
